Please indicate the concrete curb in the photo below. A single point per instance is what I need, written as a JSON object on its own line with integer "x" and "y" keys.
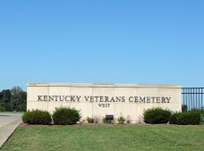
{"x": 7, "y": 130}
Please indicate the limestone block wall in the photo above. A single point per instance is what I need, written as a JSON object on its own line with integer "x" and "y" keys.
{"x": 104, "y": 99}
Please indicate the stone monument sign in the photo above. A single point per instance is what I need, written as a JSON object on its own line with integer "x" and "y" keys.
{"x": 127, "y": 100}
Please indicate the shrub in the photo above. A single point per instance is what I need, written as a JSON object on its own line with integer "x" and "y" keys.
{"x": 186, "y": 118}
{"x": 201, "y": 118}
{"x": 97, "y": 119}
{"x": 104, "y": 120}
{"x": 66, "y": 116}
{"x": 121, "y": 120}
{"x": 184, "y": 108}
{"x": 37, "y": 117}
{"x": 195, "y": 110}
{"x": 90, "y": 120}
{"x": 25, "y": 117}
{"x": 107, "y": 121}
{"x": 128, "y": 119}
{"x": 174, "y": 118}
{"x": 156, "y": 116}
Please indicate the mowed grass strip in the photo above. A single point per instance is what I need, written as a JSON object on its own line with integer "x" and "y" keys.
{"x": 107, "y": 138}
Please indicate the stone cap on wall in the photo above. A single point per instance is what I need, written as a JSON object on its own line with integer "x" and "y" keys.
{"x": 104, "y": 85}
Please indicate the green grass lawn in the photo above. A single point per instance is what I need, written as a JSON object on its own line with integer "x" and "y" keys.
{"x": 107, "y": 138}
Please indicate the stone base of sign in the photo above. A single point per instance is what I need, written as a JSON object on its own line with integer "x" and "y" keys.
{"x": 127, "y": 100}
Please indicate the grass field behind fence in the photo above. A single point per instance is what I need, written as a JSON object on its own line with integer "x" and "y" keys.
{"x": 107, "y": 138}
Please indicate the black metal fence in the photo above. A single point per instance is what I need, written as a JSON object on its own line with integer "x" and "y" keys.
{"x": 193, "y": 98}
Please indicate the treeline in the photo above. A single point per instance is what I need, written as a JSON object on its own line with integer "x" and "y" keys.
{"x": 13, "y": 99}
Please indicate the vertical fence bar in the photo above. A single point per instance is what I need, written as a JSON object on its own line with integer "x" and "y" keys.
{"x": 189, "y": 102}
{"x": 197, "y": 101}
{"x": 202, "y": 99}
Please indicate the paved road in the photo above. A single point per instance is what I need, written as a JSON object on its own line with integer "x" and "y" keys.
{"x": 8, "y": 124}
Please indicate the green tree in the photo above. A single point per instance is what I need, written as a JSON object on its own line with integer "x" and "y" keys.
{"x": 5, "y": 98}
{"x": 18, "y": 99}
{"x": 13, "y": 100}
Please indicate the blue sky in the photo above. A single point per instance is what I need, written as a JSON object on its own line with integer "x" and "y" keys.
{"x": 104, "y": 41}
